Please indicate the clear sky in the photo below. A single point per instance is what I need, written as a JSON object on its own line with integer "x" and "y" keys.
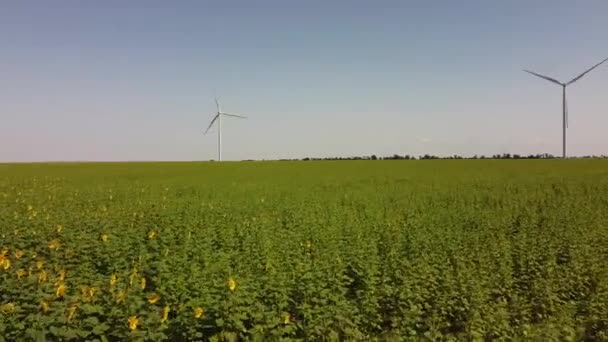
{"x": 135, "y": 80}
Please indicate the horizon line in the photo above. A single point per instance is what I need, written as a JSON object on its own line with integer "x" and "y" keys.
{"x": 335, "y": 158}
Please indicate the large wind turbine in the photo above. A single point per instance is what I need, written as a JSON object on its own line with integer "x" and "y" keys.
{"x": 218, "y": 117}
{"x": 564, "y": 103}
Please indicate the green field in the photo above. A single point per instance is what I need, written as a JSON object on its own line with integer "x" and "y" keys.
{"x": 347, "y": 250}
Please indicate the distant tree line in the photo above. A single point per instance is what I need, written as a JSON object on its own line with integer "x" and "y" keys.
{"x": 430, "y": 156}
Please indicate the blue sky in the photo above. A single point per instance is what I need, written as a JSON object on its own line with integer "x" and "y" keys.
{"x": 135, "y": 80}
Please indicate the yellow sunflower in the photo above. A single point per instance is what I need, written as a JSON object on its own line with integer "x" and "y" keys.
{"x": 133, "y": 322}
{"x": 153, "y": 298}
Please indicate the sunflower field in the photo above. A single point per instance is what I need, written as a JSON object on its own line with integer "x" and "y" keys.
{"x": 476, "y": 250}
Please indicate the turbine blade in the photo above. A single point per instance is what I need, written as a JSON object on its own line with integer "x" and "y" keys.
{"x": 544, "y": 77}
{"x": 583, "y": 74}
{"x": 217, "y": 104}
{"x": 211, "y": 124}
{"x": 234, "y": 115}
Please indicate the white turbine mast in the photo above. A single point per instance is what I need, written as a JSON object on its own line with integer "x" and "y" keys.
{"x": 218, "y": 117}
{"x": 564, "y": 103}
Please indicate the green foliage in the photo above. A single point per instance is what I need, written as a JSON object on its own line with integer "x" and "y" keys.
{"x": 387, "y": 250}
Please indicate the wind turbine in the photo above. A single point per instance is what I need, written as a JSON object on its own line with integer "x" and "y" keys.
{"x": 218, "y": 117}
{"x": 564, "y": 103}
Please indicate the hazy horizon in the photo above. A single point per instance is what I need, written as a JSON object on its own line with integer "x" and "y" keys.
{"x": 117, "y": 81}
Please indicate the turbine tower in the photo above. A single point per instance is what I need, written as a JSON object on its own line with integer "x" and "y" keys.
{"x": 564, "y": 102}
{"x": 218, "y": 117}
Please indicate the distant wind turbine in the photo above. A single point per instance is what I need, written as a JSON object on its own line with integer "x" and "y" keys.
{"x": 218, "y": 117}
{"x": 564, "y": 103}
